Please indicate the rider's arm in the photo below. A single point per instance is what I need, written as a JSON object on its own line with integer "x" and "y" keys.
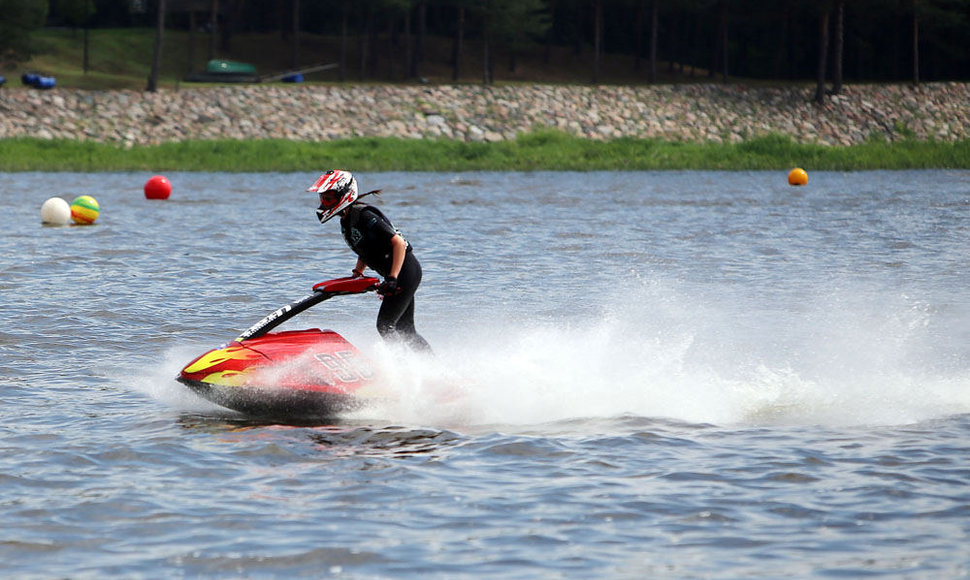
{"x": 399, "y": 248}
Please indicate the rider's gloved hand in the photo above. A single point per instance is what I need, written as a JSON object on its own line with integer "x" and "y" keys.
{"x": 388, "y": 287}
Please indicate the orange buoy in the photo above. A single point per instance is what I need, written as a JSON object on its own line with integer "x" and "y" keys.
{"x": 797, "y": 176}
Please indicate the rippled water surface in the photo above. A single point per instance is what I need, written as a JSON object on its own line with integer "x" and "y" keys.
{"x": 646, "y": 375}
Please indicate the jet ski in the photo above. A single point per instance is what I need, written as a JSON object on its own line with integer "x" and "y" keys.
{"x": 293, "y": 375}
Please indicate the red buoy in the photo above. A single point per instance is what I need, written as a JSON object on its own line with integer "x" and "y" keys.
{"x": 158, "y": 187}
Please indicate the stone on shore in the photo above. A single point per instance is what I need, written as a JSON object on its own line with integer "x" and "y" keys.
{"x": 688, "y": 113}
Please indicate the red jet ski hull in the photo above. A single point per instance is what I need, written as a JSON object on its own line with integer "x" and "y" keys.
{"x": 296, "y": 374}
{"x": 293, "y": 374}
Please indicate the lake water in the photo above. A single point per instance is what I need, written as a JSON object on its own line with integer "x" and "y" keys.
{"x": 662, "y": 374}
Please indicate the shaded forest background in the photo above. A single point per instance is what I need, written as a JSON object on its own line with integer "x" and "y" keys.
{"x": 823, "y": 41}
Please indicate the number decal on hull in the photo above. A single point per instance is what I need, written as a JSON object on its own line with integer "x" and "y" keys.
{"x": 342, "y": 365}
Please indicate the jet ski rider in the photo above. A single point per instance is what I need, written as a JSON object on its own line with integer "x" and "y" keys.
{"x": 378, "y": 245}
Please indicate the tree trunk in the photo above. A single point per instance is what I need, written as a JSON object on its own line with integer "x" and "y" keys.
{"x": 597, "y": 38}
{"x": 915, "y": 43}
{"x": 295, "y": 47}
{"x": 363, "y": 41}
{"x": 782, "y": 46}
{"x": 723, "y": 41}
{"x": 372, "y": 47}
{"x": 213, "y": 29}
{"x": 580, "y": 28}
{"x": 487, "y": 48}
{"x": 343, "y": 40}
{"x": 487, "y": 63}
{"x": 418, "y": 57}
{"x": 86, "y": 59}
{"x": 838, "y": 48}
{"x": 654, "y": 27}
{"x": 547, "y": 53}
{"x": 456, "y": 50}
{"x": 641, "y": 9}
{"x": 391, "y": 49}
{"x": 409, "y": 65}
{"x": 674, "y": 25}
{"x": 190, "y": 57}
{"x": 696, "y": 57}
{"x": 157, "y": 53}
{"x": 228, "y": 25}
{"x": 823, "y": 49}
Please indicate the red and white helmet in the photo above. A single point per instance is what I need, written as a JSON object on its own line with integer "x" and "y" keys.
{"x": 337, "y": 189}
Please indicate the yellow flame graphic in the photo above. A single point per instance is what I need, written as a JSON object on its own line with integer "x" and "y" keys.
{"x": 220, "y": 356}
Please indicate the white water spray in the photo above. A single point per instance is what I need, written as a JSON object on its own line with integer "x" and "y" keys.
{"x": 844, "y": 358}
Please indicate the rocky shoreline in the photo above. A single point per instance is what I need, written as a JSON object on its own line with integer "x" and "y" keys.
{"x": 691, "y": 113}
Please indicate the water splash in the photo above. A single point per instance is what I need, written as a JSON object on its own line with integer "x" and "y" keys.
{"x": 159, "y": 382}
{"x": 843, "y": 357}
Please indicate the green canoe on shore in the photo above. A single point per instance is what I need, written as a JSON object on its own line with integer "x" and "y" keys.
{"x": 225, "y": 71}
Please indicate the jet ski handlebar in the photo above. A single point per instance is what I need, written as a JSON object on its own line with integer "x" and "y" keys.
{"x": 321, "y": 291}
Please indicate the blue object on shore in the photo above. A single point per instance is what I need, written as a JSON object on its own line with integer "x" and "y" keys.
{"x": 38, "y": 81}
{"x": 293, "y": 78}
{"x": 3, "y": 80}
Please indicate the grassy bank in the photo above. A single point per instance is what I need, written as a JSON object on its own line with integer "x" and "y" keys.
{"x": 539, "y": 151}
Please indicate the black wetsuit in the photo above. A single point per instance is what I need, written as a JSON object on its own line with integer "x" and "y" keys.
{"x": 368, "y": 232}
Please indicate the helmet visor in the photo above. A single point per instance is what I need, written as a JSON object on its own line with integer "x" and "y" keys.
{"x": 330, "y": 199}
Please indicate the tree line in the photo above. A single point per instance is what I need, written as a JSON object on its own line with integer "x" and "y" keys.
{"x": 828, "y": 41}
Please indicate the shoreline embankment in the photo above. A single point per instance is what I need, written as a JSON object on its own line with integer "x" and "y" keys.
{"x": 715, "y": 113}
